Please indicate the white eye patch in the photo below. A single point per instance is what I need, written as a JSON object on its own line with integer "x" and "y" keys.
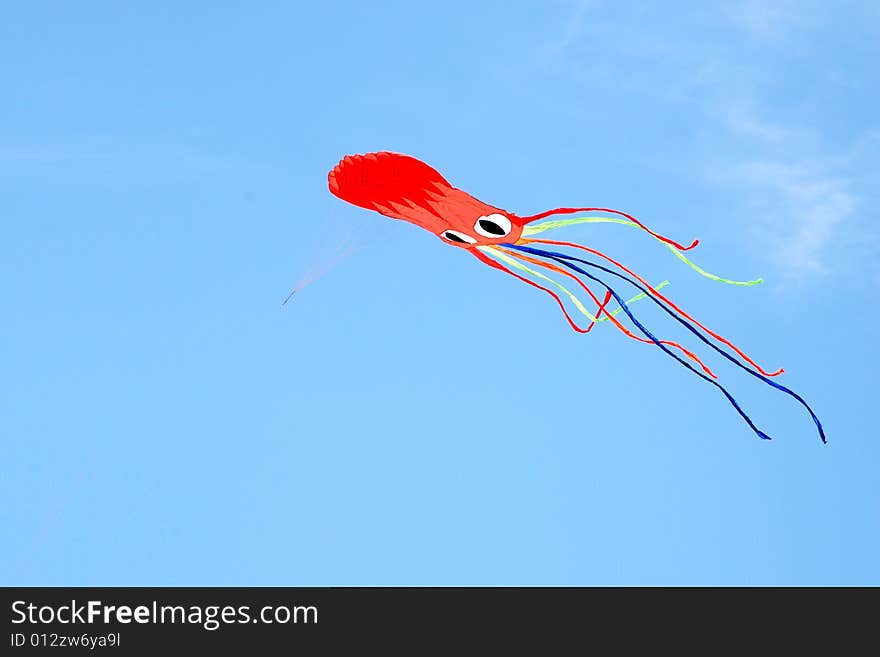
{"x": 460, "y": 238}
{"x": 493, "y": 225}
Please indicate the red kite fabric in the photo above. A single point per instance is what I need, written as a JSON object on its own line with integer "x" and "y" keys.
{"x": 405, "y": 188}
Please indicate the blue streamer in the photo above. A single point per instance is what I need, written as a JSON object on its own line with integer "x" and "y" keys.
{"x": 564, "y": 259}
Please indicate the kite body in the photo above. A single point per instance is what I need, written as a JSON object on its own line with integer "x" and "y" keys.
{"x": 405, "y": 188}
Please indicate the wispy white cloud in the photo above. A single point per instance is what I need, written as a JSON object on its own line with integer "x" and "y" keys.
{"x": 808, "y": 187}
{"x": 756, "y": 135}
{"x": 799, "y": 202}
{"x": 802, "y": 210}
{"x": 773, "y": 19}
{"x": 738, "y": 115}
{"x": 573, "y": 27}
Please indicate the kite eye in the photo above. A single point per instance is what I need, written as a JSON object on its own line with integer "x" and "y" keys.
{"x": 460, "y": 238}
{"x": 493, "y": 225}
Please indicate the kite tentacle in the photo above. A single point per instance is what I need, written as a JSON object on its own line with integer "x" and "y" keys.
{"x": 637, "y": 297}
{"x": 565, "y": 260}
{"x": 532, "y": 229}
{"x": 660, "y": 237}
{"x": 609, "y": 316}
{"x": 660, "y": 296}
{"x": 497, "y": 265}
{"x": 647, "y": 333}
{"x": 517, "y": 264}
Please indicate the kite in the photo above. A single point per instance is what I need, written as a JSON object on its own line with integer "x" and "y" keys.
{"x": 403, "y": 187}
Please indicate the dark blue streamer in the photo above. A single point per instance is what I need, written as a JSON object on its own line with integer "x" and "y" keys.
{"x": 564, "y": 259}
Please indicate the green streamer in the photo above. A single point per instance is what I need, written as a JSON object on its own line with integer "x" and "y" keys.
{"x": 534, "y": 229}
{"x": 562, "y": 223}
{"x": 638, "y": 297}
{"x": 574, "y": 299}
{"x": 518, "y": 265}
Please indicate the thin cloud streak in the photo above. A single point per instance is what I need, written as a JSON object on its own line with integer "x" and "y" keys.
{"x": 787, "y": 168}
{"x": 805, "y": 209}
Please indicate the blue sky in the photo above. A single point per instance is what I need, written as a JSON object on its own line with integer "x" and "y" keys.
{"x": 413, "y": 417}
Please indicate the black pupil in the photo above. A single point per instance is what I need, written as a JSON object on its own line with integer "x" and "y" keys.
{"x": 454, "y": 238}
{"x": 491, "y": 227}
